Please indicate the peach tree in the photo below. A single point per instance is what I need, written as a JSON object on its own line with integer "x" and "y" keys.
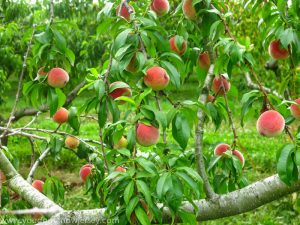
{"x": 150, "y": 164}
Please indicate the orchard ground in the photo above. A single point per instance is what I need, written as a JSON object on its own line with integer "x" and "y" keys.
{"x": 259, "y": 153}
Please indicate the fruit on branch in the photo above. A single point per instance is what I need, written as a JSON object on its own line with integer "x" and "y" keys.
{"x": 276, "y": 51}
{"x": 189, "y": 10}
{"x": 295, "y": 109}
{"x": 217, "y": 84}
{"x": 270, "y": 123}
{"x": 239, "y": 155}
{"x": 210, "y": 98}
{"x": 120, "y": 169}
{"x": 2, "y": 177}
{"x": 61, "y": 116}
{"x": 38, "y": 185}
{"x": 58, "y": 78}
{"x": 204, "y": 60}
{"x": 119, "y": 88}
{"x": 85, "y": 171}
{"x": 125, "y": 12}
{"x": 156, "y": 78}
{"x": 122, "y": 143}
{"x": 221, "y": 148}
{"x": 147, "y": 135}
{"x": 160, "y": 7}
{"x": 72, "y": 142}
{"x": 41, "y": 72}
{"x": 178, "y": 44}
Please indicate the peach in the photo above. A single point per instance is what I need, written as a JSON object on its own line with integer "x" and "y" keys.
{"x": 239, "y": 155}
{"x": 217, "y": 85}
{"x": 210, "y": 98}
{"x": 120, "y": 169}
{"x": 58, "y": 78}
{"x": 2, "y": 177}
{"x": 204, "y": 61}
{"x": 125, "y": 12}
{"x": 178, "y": 44}
{"x": 38, "y": 185}
{"x": 61, "y": 116}
{"x": 189, "y": 10}
{"x": 41, "y": 72}
{"x": 270, "y": 123}
{"x": 156, "y": 78}
{"x": 221, "y": 148}
{"x": 72, "y": 142}
{"x": 85, "y": 171}
{"x": 122, "y": 143}
{"x": 295, "y": 109}
{"x": 119, "y": 88}
{"x": 276, "y": 51}
{"x": 147, "y": 135}
{"x": 160, "y": 7}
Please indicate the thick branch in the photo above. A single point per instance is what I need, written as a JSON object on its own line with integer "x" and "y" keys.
{"x": 237, "y": 202}
{"x": 24, "y": 189}
{"x": 199, "y": 135}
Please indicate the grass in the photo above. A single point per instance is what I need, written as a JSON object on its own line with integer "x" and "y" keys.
{"x": 259, "y": 152}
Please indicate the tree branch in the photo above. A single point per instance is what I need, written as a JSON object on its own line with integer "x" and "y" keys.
{"x": 199, "y": 135}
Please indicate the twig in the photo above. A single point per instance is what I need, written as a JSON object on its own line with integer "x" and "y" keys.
{"x": 24, "y": 65}
{"x": 229, "y": 116}
{"x": 103, "y": 149}
{"x": 36, "y": 164}
{"x": 51, "y": 12}
{"x": 32, "y": 151}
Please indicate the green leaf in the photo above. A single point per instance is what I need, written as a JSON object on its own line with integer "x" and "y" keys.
{"x": 190, "y": 182}
{"x": 144, "y": 189}
{"x": 73, "y": 119}
{"x": 131, "y": 206}
{"x": 191, "y": 172}
{"x": 213, "y": 161}
{"x": 52, "y": 100}
{"x": 142, "y": 216}
{"x": 285, "y": 164}
{"x": 181, "y": 129}
{"x": 187, "y": 217}
{"x": 70, "y": 55}
{"x": 61, "y": 97}
{"x": 147, "y": 165}
{"x": 297, "y": 157}
{"x": 172, "y": 72}
{"x": 128, "y": 192}
{"x": 102, "y": 113}
{"x": 126, "y": 99}
{"x": 161, "y": 187}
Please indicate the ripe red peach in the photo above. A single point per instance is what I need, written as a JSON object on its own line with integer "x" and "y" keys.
{"x": 85, "y": 171}
{"x": 61, "y": 116}
{"x": 156, "y": 78}
{"x": 239, "y": 155}
{"x": 270, "y": 123}
{"x": 217, "y": 85}
{"x": 295, "y": 109}
{"x": 122, "y": 143}
{"x": 72, "y": 142}
{"x": 204, "y": 61}
{"x": 119, "y": 88}
{"x": 58, "y": 78}
{"x": 221, "y": 148}
{"x": 178, "y": 44}
{"x": 2, "y": 177}
{"x": 125, "y": 12}
{"x": 160, "y": 7}
{"x": 38, "y": 185}
{"x": 120, "y": 169}
{"x": 189, "y": 10}
{"x": 147, "y": 135}
{"x": 276, "y": 50}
